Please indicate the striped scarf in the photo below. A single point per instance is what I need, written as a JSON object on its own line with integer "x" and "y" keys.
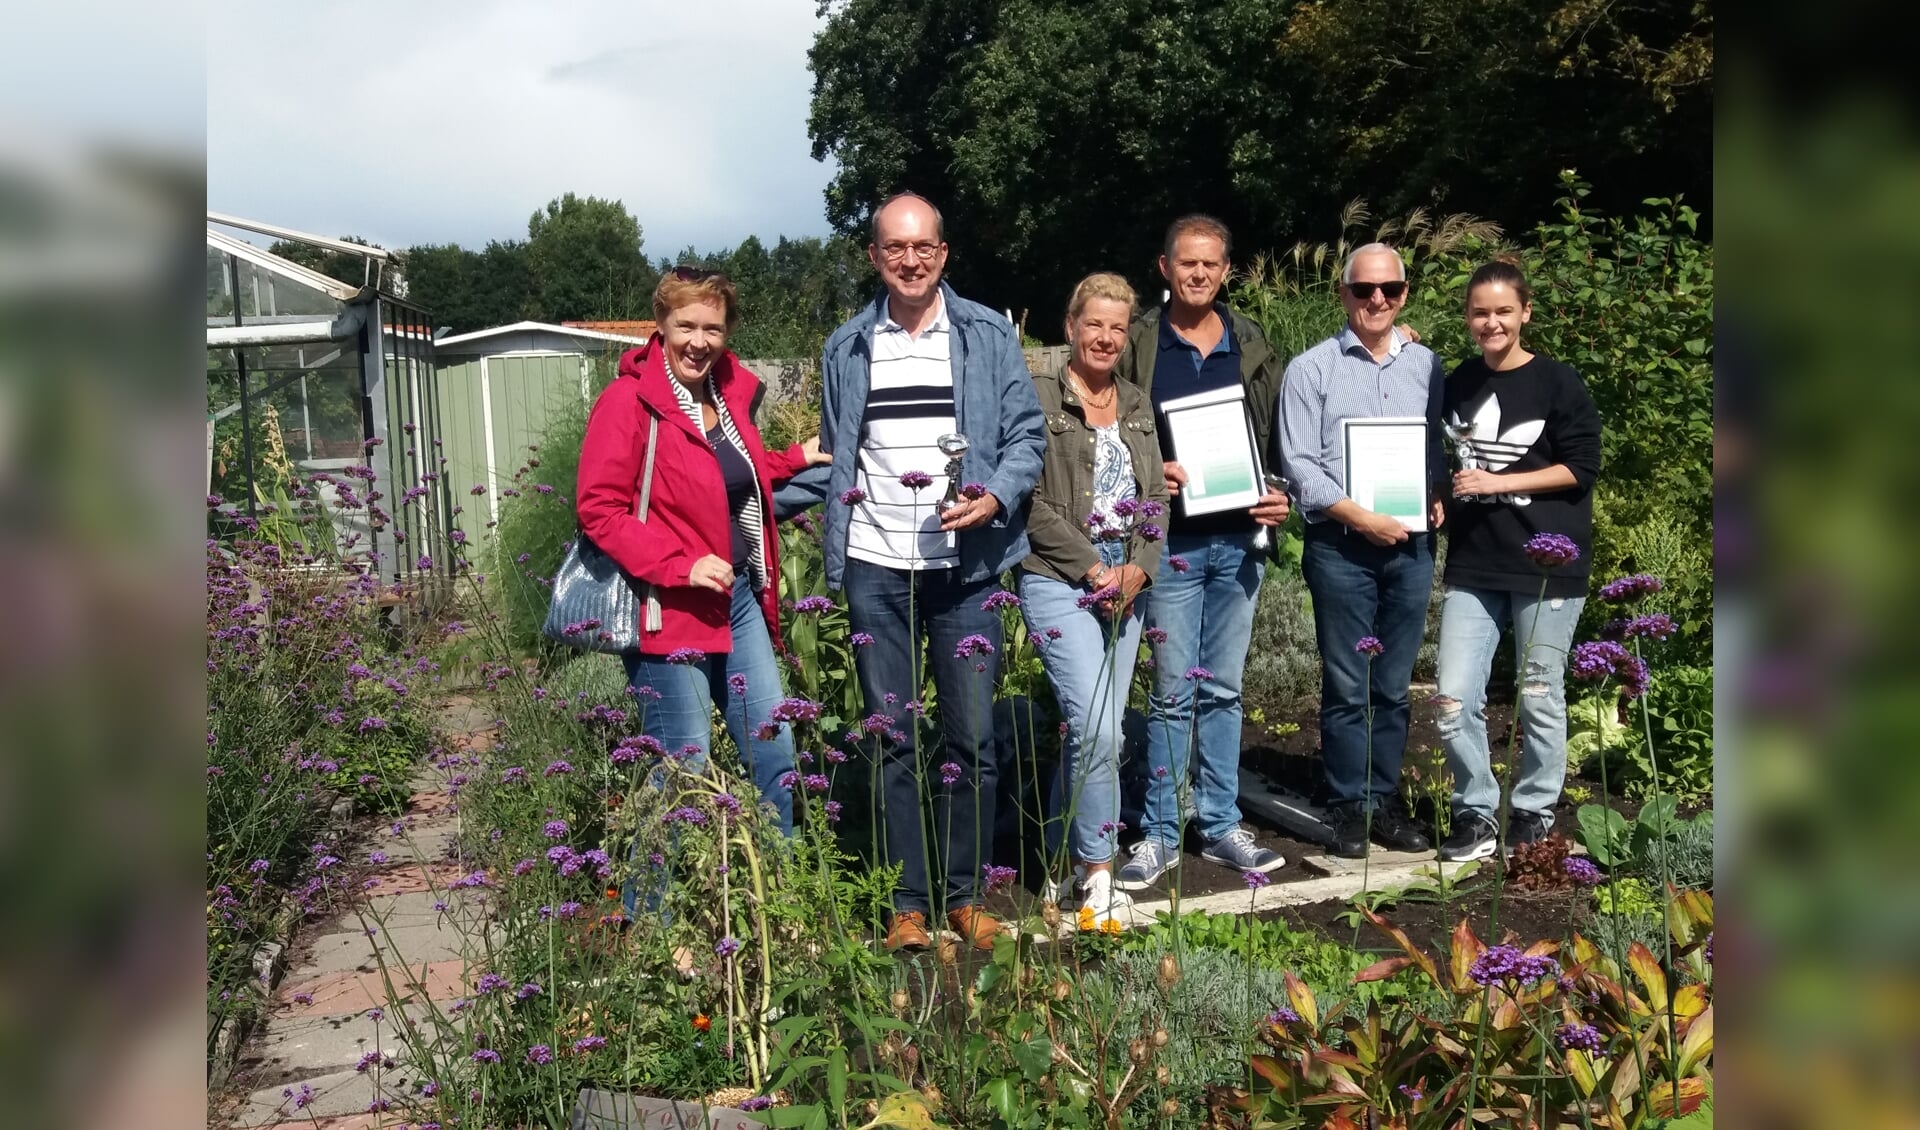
{"x": 752, "y": 521}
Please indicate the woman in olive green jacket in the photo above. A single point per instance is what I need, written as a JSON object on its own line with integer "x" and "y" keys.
{"x": 1096, "y": 531}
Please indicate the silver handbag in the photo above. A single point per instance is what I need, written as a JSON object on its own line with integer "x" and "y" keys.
{"x": 595, "y": 606}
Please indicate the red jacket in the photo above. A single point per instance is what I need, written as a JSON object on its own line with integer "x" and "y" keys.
{"x": 688, "y": 516}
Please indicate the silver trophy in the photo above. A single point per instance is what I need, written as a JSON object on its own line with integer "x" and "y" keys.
{"x": 1462, "y": 437}
{"x": 953, "y": 445}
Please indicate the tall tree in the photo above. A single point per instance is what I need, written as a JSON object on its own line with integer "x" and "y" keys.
{"x": 471, "y": 290}
{"x": 586, "y": 260}
{"x": 1059, "y": 136}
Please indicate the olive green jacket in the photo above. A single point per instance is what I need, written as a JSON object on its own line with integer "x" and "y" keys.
{"x": 1057, "y": 527}
{"x": 1261, "y": 371}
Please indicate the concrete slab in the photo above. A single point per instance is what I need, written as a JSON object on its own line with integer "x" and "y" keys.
{"x": 1380, "y": 876}
{"x": 302, "y": 1046}
{"x": 412, "y": 945}
{"x": 338, "y": 994}
{"x": 338, "y": 1093}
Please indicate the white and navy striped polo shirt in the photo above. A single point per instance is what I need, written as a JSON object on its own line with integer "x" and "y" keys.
{"x": 909, "y": 407}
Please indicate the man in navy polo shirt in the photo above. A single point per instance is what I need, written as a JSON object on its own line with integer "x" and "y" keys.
{"x": 1199, "y": 611}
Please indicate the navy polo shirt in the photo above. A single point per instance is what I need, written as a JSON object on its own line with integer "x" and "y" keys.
{"x": 1180, "y": 370}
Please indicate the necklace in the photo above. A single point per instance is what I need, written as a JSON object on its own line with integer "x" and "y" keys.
{"x": 1080, "y": 387}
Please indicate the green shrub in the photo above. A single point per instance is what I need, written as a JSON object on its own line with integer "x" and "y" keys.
{"x": 1680, "y": 710}
{"x": 535, "y": 525}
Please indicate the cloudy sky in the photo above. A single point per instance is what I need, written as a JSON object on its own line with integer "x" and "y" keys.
{"x": 430, "y": 121}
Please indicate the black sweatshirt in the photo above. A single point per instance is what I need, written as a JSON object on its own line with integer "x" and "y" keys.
{"x": 1525, "y": 419}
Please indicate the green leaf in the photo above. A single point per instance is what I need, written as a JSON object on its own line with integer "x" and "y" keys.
{"x": 1034, "y": 1057}
{"x": 837, "y": 1078}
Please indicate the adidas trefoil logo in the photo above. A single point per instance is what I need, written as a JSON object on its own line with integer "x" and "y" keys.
{"x": 1494, "y": 450}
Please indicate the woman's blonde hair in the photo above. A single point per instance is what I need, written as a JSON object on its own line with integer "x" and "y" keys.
{"x": 687, "y": 284}
{"x": 1103, "y": 284}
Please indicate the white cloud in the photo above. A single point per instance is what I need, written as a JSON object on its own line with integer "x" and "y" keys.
{"x": 452, "y": 122}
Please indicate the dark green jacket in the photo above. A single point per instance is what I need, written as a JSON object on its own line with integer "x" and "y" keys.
{"x": 1261, "y": 371}
{"x": 1057, "y": 527}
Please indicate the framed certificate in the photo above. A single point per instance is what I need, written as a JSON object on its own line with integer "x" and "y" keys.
{"x": 1212, "y": 440}
{"x": 1386, "y": 466}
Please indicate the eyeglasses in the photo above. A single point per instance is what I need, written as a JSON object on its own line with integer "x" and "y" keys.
{"x": 894, "y": 252}
{"x": 1364, "y": 291}
{"x": 686, "y": 274}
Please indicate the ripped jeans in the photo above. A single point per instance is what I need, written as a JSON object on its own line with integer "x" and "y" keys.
{"x": 1471, "y": 622}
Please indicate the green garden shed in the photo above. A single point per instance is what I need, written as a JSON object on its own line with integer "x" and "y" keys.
{"x": 498, "y": 390}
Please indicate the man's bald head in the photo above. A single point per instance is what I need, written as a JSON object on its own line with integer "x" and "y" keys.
{"x": 899, "y": 205}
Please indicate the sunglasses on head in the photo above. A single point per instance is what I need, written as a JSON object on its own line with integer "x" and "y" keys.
{"x": 684, "y": 273}
{"x": 1364, "y": 290}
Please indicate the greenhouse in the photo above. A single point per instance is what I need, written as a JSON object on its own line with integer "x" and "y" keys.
{"x": 323, "y": 422}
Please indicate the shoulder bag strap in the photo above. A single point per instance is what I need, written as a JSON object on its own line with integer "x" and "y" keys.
{"x": 650, "y": 620}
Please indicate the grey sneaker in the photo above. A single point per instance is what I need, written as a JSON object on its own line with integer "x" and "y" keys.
{"x": 1237, "y": 850}
{"x": 1150, "y": 860}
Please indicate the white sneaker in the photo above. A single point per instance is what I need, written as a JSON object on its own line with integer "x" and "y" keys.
{"x": 1100, "y": 902}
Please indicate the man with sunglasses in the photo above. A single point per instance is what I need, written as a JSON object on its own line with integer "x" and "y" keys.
{"x": 901, "y": 381}
{"x": 1369, "y": 575}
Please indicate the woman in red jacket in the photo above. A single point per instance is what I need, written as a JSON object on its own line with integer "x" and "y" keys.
{"x": 707, "y": 546}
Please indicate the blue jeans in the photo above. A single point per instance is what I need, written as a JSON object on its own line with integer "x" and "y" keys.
{"x": 683, "y": 716}
{"x": 899, "y": 608}
{"x": 1471, "y": 621}
{"x": 1090, "y": 665}
{"x": 1362, "y": 589}
{"x": 1207, "y": 613}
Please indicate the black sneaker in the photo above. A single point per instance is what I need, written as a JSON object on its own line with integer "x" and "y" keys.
{"x": 1397, "y": 833}
{"x": 1527, "y": 827}
{"x": 1348, "y": 825}
{"x": 1473, "y": 837}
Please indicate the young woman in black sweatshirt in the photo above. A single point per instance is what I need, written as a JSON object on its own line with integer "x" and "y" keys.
{"x": 1531, "y": 454}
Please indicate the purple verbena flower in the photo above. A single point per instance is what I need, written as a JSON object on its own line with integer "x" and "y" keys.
{"x": 555, "y": 830}
{"x": 1510, "y": 963}
{"x": 1197, "y": 674}
{"x": 860, "y": 639}
{"x": 1585, "y": 1037}
{"x": 486, "y": 1055}
{"x": 727, "y": 947}
{"x": 1582, "y": 871}
{"x": 1632, "y": 588}
{"x": 950, "y": 772}
{"x": 973, "y": 645}
{"x": 757, "y": 1102}
{"x": 556, "y": 769}
{"x": 737, "y": 683}
{"x": 853, "y": 497}
{"x": 1255, "y": 879}
{"x": 686, "y": 656}
{"x": 540, "y": 1054}
{"x": 1098, "y": 596}
{"x": 833, "y": 811}
{"x": 998, "y": 878}
{"x": 797, "y": 710}
{"x": 1551, "y": 550}
{"x": 813, "y": 605}
{"x": 1282, "y": 1016}
{"x": 526, "y": 991}
{"x": 973, "y": 490}
{"x": 1155, "y": 635}
{"x": 916, "y": 480}
{"x": 1179, "y": 563}
{"x": 1370, "y": 645}
{"x": 586, "y": 1044}
{"x": 999, "y": 599}
{"x": 489, "y": 983}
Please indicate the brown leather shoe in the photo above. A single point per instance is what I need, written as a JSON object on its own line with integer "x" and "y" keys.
{"x": 974, "y": 925}
{"x": 909, "y": 931}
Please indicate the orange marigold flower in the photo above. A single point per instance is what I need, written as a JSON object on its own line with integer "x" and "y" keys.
{"x": 702, "y": 1022}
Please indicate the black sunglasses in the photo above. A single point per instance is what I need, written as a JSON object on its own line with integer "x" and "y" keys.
{"x": 688, "y": 274}
{"x": 1364, "y": 291}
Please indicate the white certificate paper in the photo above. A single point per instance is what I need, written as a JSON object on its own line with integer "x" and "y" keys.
{"x": 1386, "y": 466}
{"x": 1212, "y": 441}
